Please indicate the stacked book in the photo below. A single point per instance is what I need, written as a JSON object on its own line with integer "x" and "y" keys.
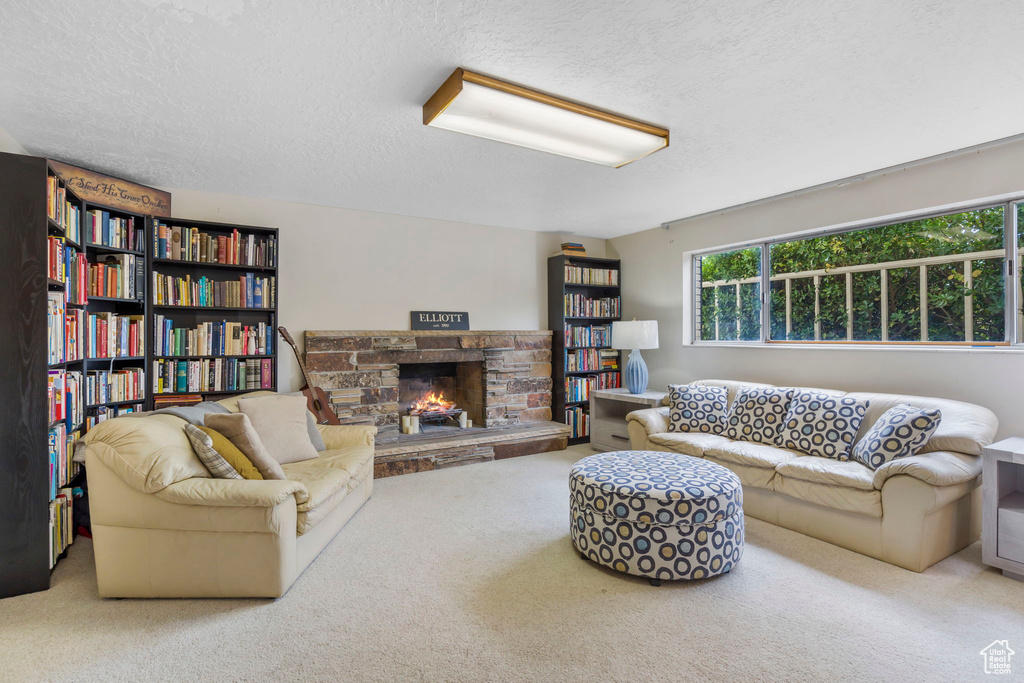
{"x": 176, "y": 400}
{"x": 571, "y": 249}
{"x": 249, "y": 291}
{"x": 179, "y": 243}
{"x": 213, "y": 339}
{"x": 212, "y": 374}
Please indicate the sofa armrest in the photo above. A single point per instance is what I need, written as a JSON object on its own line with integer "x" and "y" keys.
{"x": 233, "y": 492}
{"x": 341, "y": 436}
{"x": 654, "y": 420}
{"x": 939, "y": 468}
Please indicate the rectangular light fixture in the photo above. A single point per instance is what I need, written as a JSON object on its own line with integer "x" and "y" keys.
{"x": 488, "y": 108}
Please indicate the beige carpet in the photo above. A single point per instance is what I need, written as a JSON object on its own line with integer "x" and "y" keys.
{"x": 468, "y": 574}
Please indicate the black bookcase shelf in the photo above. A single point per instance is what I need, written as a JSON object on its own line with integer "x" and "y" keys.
{"x": 189, "y": 316}
{"x": 558, "y": 288}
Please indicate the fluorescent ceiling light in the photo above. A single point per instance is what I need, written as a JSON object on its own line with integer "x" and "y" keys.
{"x": 488, "y": 108}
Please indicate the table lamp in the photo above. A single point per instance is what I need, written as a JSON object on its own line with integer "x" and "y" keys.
{"x": 635, "y": 335}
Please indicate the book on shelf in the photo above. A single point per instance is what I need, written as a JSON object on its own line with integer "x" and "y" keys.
{"x": 579, "y": 388}
{"x": 117, "y": 276}
{"x": 110, "y": 335}
{"x": 248, "y": 291}
{"x": 176, "y": 400}
{"x": 118, "y": 232}
{"x": 74, "y": 334}
{"x": 182, "y": 243}
{"x": 61, "y": 524}
{"x": 578, "y": 275}
{"x": 580, "y": 306}
{"x": 114, "y": 386}
{"x": 578, "y": 418}
{"x": 213, "y": 339}
{"x": 212, "y": 374}
{"x": 56, "y": 341}
{"x": 60, "y": 210}
{"x": 103, "y": 413}
{"x": 63, "y": 468}
{"x": 588, "y": 335}
{"x": 55, "y": 395}
{"x": 583, "y": 360}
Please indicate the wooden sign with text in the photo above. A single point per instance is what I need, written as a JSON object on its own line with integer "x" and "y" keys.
{"x": 114, "y": 192}
{"x": 440, "y": 320}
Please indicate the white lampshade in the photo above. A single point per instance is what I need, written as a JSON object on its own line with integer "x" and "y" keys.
{"x": 635, "y": 334}
{"x": 488, "y": 108}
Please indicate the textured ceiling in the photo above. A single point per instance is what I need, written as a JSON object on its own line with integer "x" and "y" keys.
{"x": 319, "y": 101}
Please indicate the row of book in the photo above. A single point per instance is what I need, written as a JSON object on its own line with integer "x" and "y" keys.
{"x": 580, "y": 306}
{"x": 107, "y": 412}
{"x": 578, "y": 418}
{"x": 61, "y": 211}
{"x": 213, "y": 339}
{"x": 63, "y": 468}
{"x": 578, "y": 275}
{"x": 113, "y": 231}
{"x": 65, "y": 264}
{"x": 56, "y": 340}
{"x": 115, "y": 386}
{"x": 110, "y": 335}
{"x": 120, "y": 276}
{"x": 588, "y": 335}
{"x": 212, "y": 374}
{"x": 579, "y": 388}
{"x": 591, "y": 360}
{"x": 180, "y": 243}
{"x": 61, "y": 524}
{"x": 249, "y": 291}
{"x": 64, "y": 397}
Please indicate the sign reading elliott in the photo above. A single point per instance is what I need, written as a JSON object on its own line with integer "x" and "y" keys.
{"x": 440, "y": 320}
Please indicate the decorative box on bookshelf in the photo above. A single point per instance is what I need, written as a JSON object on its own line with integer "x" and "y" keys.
{"x": 584, "y": 298}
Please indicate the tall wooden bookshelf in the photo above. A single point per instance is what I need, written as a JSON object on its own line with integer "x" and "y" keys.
{"x": 259, "y": 263}
{"x": 34, "y": 481}
{"x": 593, "y": 279}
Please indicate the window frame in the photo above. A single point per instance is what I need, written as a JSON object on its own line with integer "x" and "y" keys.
{"x": 1014, "y": 318}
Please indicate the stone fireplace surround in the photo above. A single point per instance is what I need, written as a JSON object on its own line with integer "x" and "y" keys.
{"x": 359, "y": 370}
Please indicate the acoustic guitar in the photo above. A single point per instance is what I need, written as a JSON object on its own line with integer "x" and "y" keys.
{"x": 316, "y": 398}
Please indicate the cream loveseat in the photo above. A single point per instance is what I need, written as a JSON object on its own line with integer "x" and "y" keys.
{"x": 911, "y": 512}
{"x": 163, "y": 528}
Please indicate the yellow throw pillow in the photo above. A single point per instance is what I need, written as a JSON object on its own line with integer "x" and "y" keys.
{"x": 235, "y": 457}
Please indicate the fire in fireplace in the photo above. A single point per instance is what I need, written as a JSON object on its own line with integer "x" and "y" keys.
{"x": 434, "y": 408}
{"x": 439, "y": 392}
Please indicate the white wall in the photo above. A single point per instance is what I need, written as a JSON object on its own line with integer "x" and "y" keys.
{"x": 652, "y": 263}
{"x": 358, "y": 270}
{"x": 9, "y": 144}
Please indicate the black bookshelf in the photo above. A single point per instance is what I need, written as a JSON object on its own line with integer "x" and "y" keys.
{"x": 558, "y": 289}
{"x": 192, "y": 316}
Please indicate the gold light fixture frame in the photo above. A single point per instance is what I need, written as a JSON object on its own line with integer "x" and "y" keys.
{"x": 451, "y": 88}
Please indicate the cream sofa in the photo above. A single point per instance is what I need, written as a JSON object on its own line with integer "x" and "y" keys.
{"x": 911, "y": 512}
{"x": 163, "y": 528}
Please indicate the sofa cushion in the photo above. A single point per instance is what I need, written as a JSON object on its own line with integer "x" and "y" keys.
{"x": 232, "y": 454}
{"x": 328, "y": 479}
{"x": 752, "y": 454}
{"x": 842, "y": 485}
{"x": 281, "y": 423}
{"x": 821, "y": 424}
{"x": 147, "y": 453}
{"x": 730, "y": 385}
{"x": 965, "y": 427}
{"x": 238, "y": 430}
{"x": 899, "y": 432}
{"x": 213, "y": 461}
{"x": 688, "y": 443}
{"x": 697, "y": 409}
{"x": 758, "y": 414}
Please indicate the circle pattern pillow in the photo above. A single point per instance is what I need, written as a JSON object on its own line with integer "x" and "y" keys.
{"x": 758, "y": 414}
{"x": 823, "y": 425}
{"x": 900, "y": 431}
{"x": 697, "y": 408}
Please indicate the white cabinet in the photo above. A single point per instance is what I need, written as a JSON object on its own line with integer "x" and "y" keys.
{"x": 608, "y": 410}
{"x": 1002, "y": 534}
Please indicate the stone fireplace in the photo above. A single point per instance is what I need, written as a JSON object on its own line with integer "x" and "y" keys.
{"x": 502, "y": 379}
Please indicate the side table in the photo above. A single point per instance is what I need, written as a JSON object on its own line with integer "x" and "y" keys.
{"x": 608, "y": 409}
{"x": 1002, "y": 500}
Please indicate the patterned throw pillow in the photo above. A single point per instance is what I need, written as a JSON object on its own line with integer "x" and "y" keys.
{"x": 697, "y": 409}
{"x": 758, "y": 414}
{"x": 822, "y": 425}
{"x": 202, "y": 444}
{"x": 899, "y": 432}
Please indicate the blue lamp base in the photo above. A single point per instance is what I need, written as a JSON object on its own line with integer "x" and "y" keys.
{"x": 636, "y": 373}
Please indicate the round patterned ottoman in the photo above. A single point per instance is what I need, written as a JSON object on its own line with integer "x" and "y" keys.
{"x": 656, "y": 514}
